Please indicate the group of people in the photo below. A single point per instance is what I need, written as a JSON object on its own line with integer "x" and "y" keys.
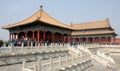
{"x": 24, "y": 42}
{"x": 1, "y": 43}
{"x": 30, "y": 42}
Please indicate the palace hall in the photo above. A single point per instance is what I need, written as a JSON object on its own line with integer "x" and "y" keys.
{"x": 41, "y": 27}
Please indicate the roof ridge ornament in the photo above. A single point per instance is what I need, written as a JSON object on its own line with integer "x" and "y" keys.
{"x": 107, "y": 19}
{"x": 41, "y": 6}
{"x": 40, "y": 12}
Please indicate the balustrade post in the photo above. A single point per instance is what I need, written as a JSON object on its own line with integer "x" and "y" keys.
{"x": 45, "y": 46}
{"x": 40, "y": 48}
{"x": 67, "y": 60}
{"x": 22, "y": 47}
{"x": 60, "y": 61}
{"x": 51, "y": 45}
{"x": 83, "y": 57}
{"x": 23, "y": 66}
{"x": 35, "y": 67}
{"x": 39, "y": 65}
{"x": 11, "y": 47}
{"x": 50, "y": 64}
{"x": 72, "y": 59}
{"x": 31, "y": 46}
{"x": 86, "y": 57}
{"x": 68, "y": 45}
{"x": 35, "y": 44}
{"x": 78, "y": 58}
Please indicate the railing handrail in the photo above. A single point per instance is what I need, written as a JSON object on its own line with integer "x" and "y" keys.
{"x": 105, "y": 58}
{"x": 27, "y": 69}
{"x": 57, "y": 61}
{"x": 108, "y": 58}
{"x": 30, "y": 49}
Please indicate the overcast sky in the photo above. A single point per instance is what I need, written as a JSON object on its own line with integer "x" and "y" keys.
{"x": 66, "y": 11}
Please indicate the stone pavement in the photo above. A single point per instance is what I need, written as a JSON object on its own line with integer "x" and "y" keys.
{"x": 98, "y": 67}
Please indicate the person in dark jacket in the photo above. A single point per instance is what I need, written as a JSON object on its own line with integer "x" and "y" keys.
{"x": 1, "y": 43}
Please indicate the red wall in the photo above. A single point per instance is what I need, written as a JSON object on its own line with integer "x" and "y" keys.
{"x": 117, "y": 40}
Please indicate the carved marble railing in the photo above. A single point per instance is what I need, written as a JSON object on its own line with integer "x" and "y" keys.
{"x": 84, "y": 49}
{"x": 101, "y": 57}
{"x": 106, "y": 57}
{"x": 111, "y": 46}
{"x": 73, "y": 50}
{"x": 60, "y": 64}
{"x": 30, "y": 49}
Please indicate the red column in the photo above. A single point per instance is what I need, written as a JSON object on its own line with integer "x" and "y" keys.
{"x": 69, "y": 38}
{"x": 106, "y": 40}
{"x": 100, "y": 40}
{"x": 38, "y": 35}
{"x": 25, "y": 34}
{"x": 87, "y": 40}
{"x": 93, "y": 40}
{"x": 53, "y": 37}
{"x": 44, "y": 36}
{"x": 33, "y": 35}
{"x": 62, "y": 38}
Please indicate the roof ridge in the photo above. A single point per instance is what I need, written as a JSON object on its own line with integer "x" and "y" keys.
{"x": 88, "y": 22}
{"x": 92, "y": 25}
{"x": 92, "y": 32}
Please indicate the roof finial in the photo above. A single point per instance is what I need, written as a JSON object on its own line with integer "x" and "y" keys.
{"x": 107, "y": 19}
{"x": 41, "y": 6}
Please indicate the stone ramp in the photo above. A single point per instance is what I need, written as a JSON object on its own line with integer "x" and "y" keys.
{"x": 98, "y": 67}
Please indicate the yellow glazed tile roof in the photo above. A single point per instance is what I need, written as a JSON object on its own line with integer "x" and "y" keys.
{"x": 92, "y": 25}
{"x": 40, "y": 16}
{"x": 93, "y": 32}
